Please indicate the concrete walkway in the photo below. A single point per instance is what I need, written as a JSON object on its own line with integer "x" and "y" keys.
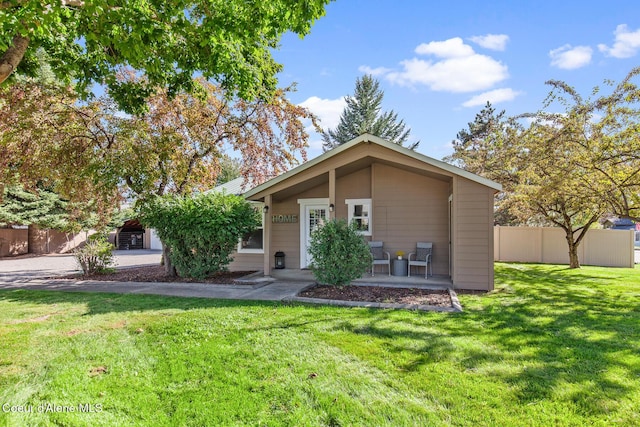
{"x": 268, "y": 291}
{"x": 27, "y": 273}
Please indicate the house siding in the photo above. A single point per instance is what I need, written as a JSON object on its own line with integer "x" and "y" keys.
{"x": 410, "y": 208}
{"x": 286, "y": 237}
{"x": 246, "y": 262}
{"x": 473, "y": 235}
{"x": 356, "y": 185}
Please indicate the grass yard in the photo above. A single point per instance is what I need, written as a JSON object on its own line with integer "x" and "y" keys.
{"x": 550, "y": 346}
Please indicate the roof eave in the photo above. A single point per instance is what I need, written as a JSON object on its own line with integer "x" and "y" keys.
{"x": 377, "y": 140}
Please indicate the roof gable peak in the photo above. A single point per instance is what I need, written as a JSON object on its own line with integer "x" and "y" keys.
{"x": 373, "y": 139}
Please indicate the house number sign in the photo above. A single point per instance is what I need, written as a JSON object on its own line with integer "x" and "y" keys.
{"x": 284, "y": 219}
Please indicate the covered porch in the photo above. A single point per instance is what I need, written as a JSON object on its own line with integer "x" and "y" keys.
{"x": 393, "y": 199}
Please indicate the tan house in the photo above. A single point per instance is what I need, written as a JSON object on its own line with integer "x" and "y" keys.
{"x": 396, "y": 195}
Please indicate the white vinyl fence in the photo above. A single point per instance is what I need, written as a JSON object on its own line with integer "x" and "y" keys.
{"x": 547, "y": 245}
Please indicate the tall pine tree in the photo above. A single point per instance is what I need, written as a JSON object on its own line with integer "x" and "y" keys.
{"x": 475, "y": 147}
{"x": 363, "y": 115}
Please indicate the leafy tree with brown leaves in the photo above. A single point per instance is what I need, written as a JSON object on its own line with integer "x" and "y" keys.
{"x": 47, "y": 136}
{"x": 45, "y": 143}
{"x": 551, "y": 188}
{"x": 179, "y": 145}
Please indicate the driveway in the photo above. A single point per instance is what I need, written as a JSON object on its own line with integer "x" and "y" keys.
{"x": 25, "y": 267}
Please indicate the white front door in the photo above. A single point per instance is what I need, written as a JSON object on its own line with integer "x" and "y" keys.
{"x": 313, "y": 214}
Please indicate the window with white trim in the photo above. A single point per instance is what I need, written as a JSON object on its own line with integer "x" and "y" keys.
{"x": 253, "y": 242}
{"x": 359, "y": 212}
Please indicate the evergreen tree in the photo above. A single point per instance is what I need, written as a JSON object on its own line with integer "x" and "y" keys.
{"x": 41, "y": 207}
{"x": 363, "y": 115}
{"x": 475, "y": 147}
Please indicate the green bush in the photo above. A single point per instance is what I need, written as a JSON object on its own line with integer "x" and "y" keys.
{"x": 339, "y": 253}
{"x": 201, "y": 231}
{"x": 96, "y": 256}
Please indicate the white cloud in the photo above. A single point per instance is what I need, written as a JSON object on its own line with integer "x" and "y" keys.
{"x": 327, "y": 110}
{"x": 452, "y": 48}
{"x": 459, "y": 68}
{"x": 491, "y": 41}
{"x": 476, "y": 72}
{"x": 379, "y": 71}
{"x": 626, "y": 45}
{"x": 568, "y": 57}
{"x": 493, "y": 96}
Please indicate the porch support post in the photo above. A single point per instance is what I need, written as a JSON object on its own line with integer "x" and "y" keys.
{"x": 372, "y": 195}
{"x": 267, "y": 237}
{"x": 332, "y": 193}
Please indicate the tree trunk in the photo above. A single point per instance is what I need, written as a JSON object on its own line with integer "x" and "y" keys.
{"x": 574, "y": 261}
{"x": 12, "y": 57}
{"x": 169, "y": 268}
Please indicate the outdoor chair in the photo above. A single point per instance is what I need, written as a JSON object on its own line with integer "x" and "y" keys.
{"x": 422, "y": 258}
{"x": 380, "y": 257}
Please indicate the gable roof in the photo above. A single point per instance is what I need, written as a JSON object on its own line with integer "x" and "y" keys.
{"x": 620, "y": 223}
{"x": 368, "y": 138}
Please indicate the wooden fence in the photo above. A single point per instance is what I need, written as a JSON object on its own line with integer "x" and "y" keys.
{"x": 13, "y": 242}
{"x": 20, "y": 241}
{"x": 547, "y": 245}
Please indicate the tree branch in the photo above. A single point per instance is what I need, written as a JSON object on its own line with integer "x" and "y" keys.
{"x": 11, "y": 58}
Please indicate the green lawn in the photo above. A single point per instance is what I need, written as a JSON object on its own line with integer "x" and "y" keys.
{"x": 550, "y": 346}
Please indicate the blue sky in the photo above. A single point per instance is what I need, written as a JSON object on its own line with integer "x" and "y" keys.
{"x": 439, "y": 62}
